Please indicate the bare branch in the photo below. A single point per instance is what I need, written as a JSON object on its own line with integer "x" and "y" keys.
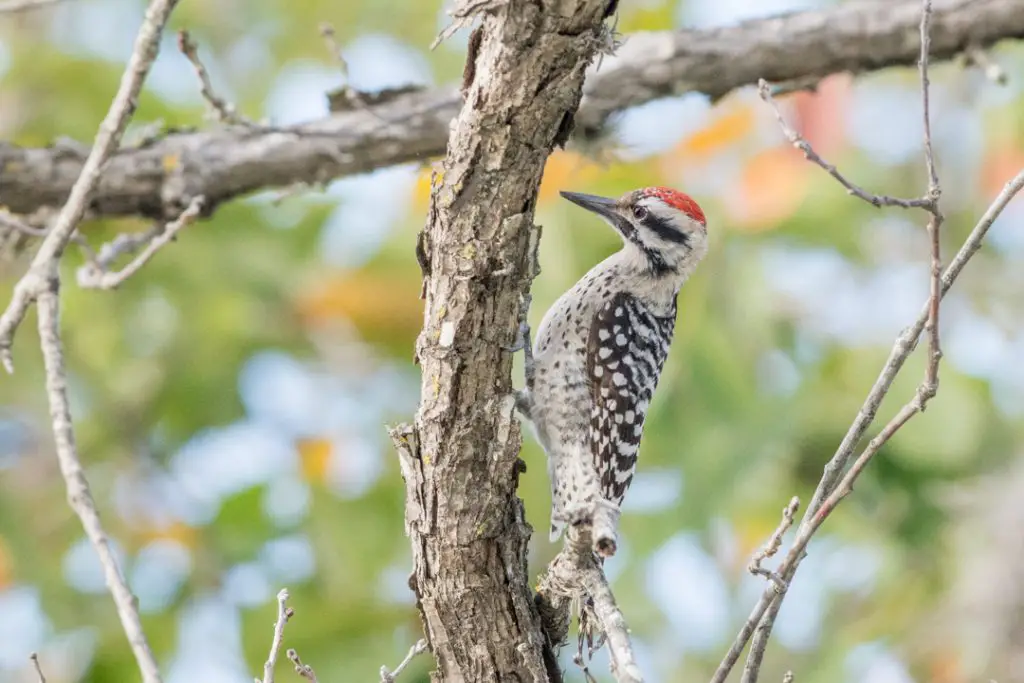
{"x": 39, "y": 669}
{"x": 42, "y": 272}
{"x": 41, "y": 284}
{"x": 772, "y": 546}
{"x": 928, "y": 386}
{"x": 228, "y": 162}
{"x": 303, "y": 670}
{"x": 931, "y": 382}
{"x": 466, "y": 428}
{"x": 224, "y": 110}
{"x": 95, "y": 275}
{"x": 902, "y": 348}
{"x": 389, "y": 676}
{"x": 331, "y": 42}
{"x": 346, "y": 95}
{"x": 620, "y": 647}
{"x": 79, "y": 496}
{"x": 926, "y": 44}
{"x": 12, "y": 6}
{"x": 462, "y": 15}
{"x": 9, "y": 222}
{"x": 575, "y": 576}
{"x": 284, "y": 613}
{"x": 798, "y": 141}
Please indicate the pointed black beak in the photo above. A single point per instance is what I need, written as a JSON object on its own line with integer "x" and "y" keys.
{"x": 602, "y": 206}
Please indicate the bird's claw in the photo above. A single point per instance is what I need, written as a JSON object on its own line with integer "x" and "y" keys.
{"x": 522, "y": 341}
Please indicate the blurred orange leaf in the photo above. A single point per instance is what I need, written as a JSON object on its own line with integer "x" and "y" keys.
{"x": 945, "y": 668}
{"x": 383, "y": 304}
{"x": 724, "y": 130}
{"x": 820, "y": 116}
{"x": 175, "y": 531}
{"x": 6, "y": 570}
{"x": 1001, "y": 164}
{"x": 772, "y": 186}
{"x": 565, "y": 170}
{"x": 428, "y": 177}
{"x": 315, "y": 458}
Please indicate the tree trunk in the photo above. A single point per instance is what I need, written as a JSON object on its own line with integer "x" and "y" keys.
{"x": 523, "y": 80}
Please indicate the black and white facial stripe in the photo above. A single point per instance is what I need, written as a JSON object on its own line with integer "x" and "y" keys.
{"x": 649, "y": 224}
{"x": 660, "y": 224}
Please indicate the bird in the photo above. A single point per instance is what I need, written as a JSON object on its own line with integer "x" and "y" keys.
{"x": 599, "y": 351}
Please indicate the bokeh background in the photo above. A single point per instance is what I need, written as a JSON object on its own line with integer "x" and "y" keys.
{"x": 231, "y": 398}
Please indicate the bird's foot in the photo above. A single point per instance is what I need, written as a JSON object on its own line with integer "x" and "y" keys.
{"x": 522, "y": 341}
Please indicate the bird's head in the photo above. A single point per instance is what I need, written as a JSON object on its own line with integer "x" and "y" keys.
{"x": 665, "y": 228}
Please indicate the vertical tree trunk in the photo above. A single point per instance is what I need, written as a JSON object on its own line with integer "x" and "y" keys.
{"x": 523, "y": 80}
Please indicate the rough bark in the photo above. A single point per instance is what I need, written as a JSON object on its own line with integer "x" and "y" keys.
{"x": 460, "y": 460}
{"x": 160, "y": 178}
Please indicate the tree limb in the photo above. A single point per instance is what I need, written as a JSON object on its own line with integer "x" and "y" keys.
{"x": 901, "y": 350}
{"x": 460, "y": 459}
{"x": 41, "y": 285}
{"x": 13, "y": 6}
{"x": 827, "y": 488}
{"x": 159, "y": 179}
{"x": 43, "y": 272}
{"x": 79, "y": 495}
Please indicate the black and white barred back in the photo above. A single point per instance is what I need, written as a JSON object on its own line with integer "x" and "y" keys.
{"x": 626, "y": 351}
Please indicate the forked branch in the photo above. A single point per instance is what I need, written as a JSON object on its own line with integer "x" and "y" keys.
{"x": 837, "y": 481}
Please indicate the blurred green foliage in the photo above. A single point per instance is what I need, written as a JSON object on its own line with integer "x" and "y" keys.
{"x": 757, "y": 394}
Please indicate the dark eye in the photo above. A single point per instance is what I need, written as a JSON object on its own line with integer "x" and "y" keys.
{"x": 640, "y": 213}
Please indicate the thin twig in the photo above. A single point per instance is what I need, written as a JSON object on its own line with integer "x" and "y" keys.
{"x": 800, "y": 143}
{"x": 462, "y": 14}
{"x": 304, "y": 670}
{"x": 39, "y": 669}
{"x": 926, "y": 44}
{"x": 926, "y": 390}
{"x": 12, "y": 6}
{"x": 224, "y": 110}
{"x": 284, "y": 613}
{"x": 43, "y": 270}
{"x": 351, "y": 95}
{"x": 902, "y": 348}
{"x": 79, "y": 496}
{"x": 41, "y": 285}
{"x": 931, "y": 383}
{"x": 389, "y": 676}
{"x": 9, "y": 222}
{"x": 772, "y": 546}
{"x": 330, "y": 37}
{"x": 95, "y": 275}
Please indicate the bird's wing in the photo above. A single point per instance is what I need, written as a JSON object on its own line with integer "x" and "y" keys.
{"x": 626, "y": 350}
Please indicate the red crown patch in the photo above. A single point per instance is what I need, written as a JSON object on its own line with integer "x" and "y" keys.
{"x": 677, "y": 200}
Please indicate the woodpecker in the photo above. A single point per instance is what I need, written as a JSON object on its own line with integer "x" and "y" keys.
{"x": 599, "y": 352}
